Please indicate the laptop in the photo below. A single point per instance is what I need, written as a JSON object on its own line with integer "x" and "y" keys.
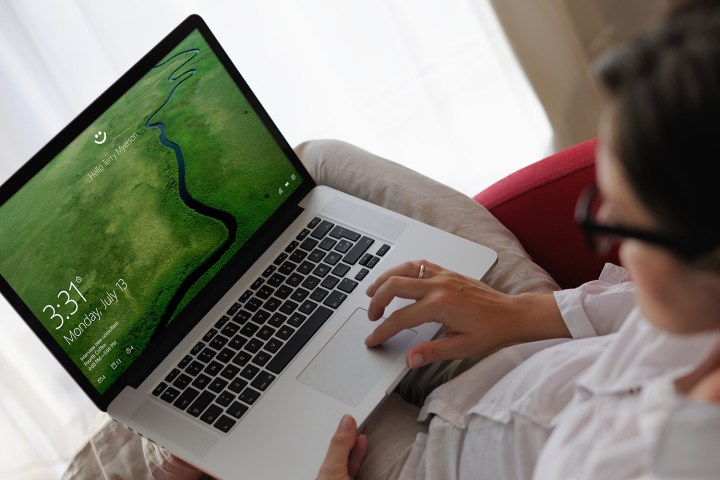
{"x": 172, "y": 252}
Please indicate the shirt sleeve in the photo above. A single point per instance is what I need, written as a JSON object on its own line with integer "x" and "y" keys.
{"x": 598, "y": 307}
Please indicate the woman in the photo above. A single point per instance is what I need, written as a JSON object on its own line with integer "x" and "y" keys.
{"x": 635, "y": 393}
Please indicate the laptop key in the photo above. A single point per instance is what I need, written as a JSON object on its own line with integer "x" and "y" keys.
{"x": 249, "y": 371}
{"x": 321, "y": 230}
{"x": 330, "y": 282}
{"x": 322, "y": 270}
{"x": 335, "y": 299}
{"x": 194, "y": 368}
{"x": 309, "y": 244}
{"x": 283, "y": 292}
{"x": 362, "y": 274}
{"x": 340, "y": 232}
{"x": 268, "y": 271}
{"x": 298, "y": 256}
{"x": 218, "y": 342}
{"x": 159, "y": 389}
{"x": 280, "y": 258}
{"x": 198, "y": 346}
{"x": 327, "y": 243}
{"x": 182, "y": 381}
{"x": 211, "y": 414}
{"x": 242, "y": 358}
{"x": 224, "y": 423}
{"x": 358, "y": 250}
{"x": 340, "y": 269}
{"x": 225, "y": 398}
{"x": 298, "y": 341}
{"x": 249, "y": 396}
{"x": 276, "y": 280}
{"x": 230, "y": 329}
{"x": 209, "y": 335}
{"x": 296, "y": 319}
{"x": 261, "y": 358}
{"x": 277, "y": 320}
{"x": 201, "y": 381}
{"x": 170, "y": 394}
{"x": 234, "y": 308}
{"x": 347, "y": 285}
{"x": 222, "y": 321}
{"x": 229, "y": 371}
{"x": 218, "y": 385}
{"x": 236, "y": 410}
{"x": 308, "y": 306}
{"x": 206, "y": 355}
{"x": 305, "y": 267}
{"x": 254, "y": 345}
{"x": 237, "y": 385}
{"x": 263, "y": 381}
{"x": 242, "y": 317}
{"x": 273, "y": 345}
{"x": 201, "y": 403}
{"x": 186, "y": 398}
{"x": 172, "y": 375}
{"x": 237, "y": 342}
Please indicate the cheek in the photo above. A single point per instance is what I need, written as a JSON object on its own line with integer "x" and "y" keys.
{"x": 644, "y": 270}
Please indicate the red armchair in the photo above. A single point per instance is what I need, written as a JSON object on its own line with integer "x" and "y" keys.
{"x": 537, "y": 204}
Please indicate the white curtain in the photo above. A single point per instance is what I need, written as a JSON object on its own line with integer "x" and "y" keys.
{"x": 429, "y": 84}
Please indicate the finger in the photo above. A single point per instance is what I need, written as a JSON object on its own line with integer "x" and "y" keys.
{"x": 357, "y": 454}
{"x": 410, "y": 316}
{"x": 396, "y": 287}
{"x": 407, "y": 269}
{"x": 447, "y": 348}
{"x": 341, "y": 444}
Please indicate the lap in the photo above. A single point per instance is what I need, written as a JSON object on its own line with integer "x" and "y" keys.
{"x": 393, "y": 428}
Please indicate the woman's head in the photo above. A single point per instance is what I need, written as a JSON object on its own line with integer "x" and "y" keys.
{"x": 660, "y": 147}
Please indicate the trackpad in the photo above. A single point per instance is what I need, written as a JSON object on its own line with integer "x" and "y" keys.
{"x": 345, "y": 368}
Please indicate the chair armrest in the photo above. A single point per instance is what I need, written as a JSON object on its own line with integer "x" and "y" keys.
{"x": 537, "y": 204}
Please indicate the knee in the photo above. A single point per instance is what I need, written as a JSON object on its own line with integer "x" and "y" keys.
{"x": 317, "y": 155}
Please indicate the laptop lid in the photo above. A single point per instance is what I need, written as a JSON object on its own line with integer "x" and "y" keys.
{"x": 126, "y": 228}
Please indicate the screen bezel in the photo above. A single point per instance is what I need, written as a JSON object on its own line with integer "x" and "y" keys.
{"x": 160, "y": 347}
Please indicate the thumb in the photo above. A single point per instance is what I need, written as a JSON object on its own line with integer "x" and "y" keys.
{"x": 341, "y": 444}
{"x": 428, "y": 352}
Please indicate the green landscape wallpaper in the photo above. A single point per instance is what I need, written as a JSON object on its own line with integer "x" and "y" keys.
{"x": 118, "y": 232}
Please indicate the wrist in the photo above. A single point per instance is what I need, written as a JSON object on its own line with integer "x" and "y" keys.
{"x": 538, "y": 318}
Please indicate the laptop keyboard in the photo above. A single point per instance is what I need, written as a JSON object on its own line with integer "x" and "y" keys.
{"x": 240, "y": 356}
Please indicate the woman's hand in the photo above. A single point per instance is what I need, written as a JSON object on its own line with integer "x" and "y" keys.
{"x": 476, "y": 318}
{"x": 345, "y": 453}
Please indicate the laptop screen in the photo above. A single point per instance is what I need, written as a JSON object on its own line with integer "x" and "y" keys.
{"x": 111, "y": 239}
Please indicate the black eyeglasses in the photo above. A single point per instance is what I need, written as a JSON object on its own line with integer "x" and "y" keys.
{"x": 602, "y": 237}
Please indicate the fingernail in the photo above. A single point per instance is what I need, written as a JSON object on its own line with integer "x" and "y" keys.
{"x": 368, "y": 339}
{"x": 369, "y": 291}
{"x": 416, "y": 360}
{"x": 345, "y": 423}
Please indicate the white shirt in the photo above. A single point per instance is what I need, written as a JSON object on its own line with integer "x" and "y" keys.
{"x": 599, "y": 406}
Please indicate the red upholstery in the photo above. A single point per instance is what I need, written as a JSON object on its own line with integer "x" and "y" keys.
{"x": 537, "y": 203}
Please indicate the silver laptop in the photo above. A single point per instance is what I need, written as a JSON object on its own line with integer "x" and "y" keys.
{"x": 175, "y": 256}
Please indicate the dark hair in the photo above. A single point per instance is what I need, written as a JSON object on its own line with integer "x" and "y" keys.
{"x": 665, "y": 90}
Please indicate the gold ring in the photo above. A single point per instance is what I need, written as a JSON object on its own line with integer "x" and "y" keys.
{"x": 421, "y": 273}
